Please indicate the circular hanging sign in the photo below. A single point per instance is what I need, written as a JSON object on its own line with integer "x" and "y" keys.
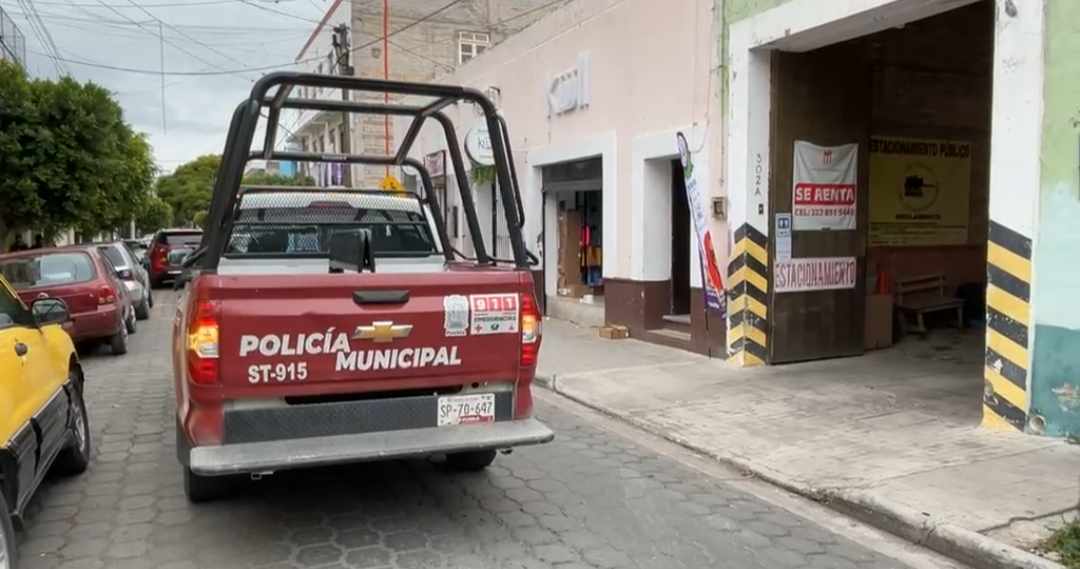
{"x": 478, "y": 146}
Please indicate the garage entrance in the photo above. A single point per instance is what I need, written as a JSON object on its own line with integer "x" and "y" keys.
{"x": 879, "y": 188}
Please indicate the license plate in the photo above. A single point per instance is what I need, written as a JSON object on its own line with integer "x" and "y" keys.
{"x": 466, "y": 409}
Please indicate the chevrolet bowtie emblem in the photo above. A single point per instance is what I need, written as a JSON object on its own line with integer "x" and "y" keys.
{"x": 382, "y": 332}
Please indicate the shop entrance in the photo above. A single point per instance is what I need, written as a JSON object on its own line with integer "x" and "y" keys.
{"x": 680, "y": 244}
{"x": 878, "y": 198}
{"x": 576, "y": 191}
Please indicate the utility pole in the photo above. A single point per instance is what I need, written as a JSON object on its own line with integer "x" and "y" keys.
{"x": 343, "y": 52}
{"x": 161, "y": 66}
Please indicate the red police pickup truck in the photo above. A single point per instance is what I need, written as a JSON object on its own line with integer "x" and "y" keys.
{"x": 329, "y": 326}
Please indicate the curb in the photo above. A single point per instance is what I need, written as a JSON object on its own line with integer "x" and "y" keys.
{"x": 961, "y": 544}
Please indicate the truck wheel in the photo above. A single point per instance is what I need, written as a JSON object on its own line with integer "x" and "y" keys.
{"x": 471, "y": 460}
{"x": 76, "y": 456}
{"x": 7, "y": 536}
{"x": 204, "y": 488}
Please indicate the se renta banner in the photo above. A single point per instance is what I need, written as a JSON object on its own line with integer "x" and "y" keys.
{"x": 711, "y": 281}
{"x": 824, "y": 187}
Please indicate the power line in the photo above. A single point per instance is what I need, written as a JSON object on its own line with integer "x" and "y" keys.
{"x": 129, "y": 22}
{"x": 138, "y": 71}
{"x": 182, "y": 33}
{"x": 175, "y": 45}
{"x": 257, "y": 68}
{"x": 254, "y": 4}
{"x": 157, "y": 5}
{"x": 37, "y": 27}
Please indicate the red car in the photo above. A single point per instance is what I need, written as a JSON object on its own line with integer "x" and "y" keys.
{"x": 168, "y": 249}
{"x": 83, "y": 278}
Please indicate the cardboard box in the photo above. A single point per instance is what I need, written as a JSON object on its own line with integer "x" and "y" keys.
{"x": 879, "y": 321}
{"x": 614, "y": 332}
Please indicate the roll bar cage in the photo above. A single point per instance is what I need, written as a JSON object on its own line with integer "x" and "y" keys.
{"x": 223, "y": 206}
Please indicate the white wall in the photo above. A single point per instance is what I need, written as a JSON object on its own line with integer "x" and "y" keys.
{"x": 649, "y": 67}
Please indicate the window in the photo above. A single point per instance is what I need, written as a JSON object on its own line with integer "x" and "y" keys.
{"x": 12, "y": 312}
{"x": 472, "y": 44}
{"x": 48, "y": 270}
{"x": 115, "y": 256}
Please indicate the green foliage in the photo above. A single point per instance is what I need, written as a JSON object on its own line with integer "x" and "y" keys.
{"x": 153, "y": 215}
{"x": 67, "y": 156}
{"x": 1066, "y": 542}
{"x": 199, "y": 220}
{"x": 482, "y": 175}
{"x": 189, "y": 188}
{"x": 264, "y": 178}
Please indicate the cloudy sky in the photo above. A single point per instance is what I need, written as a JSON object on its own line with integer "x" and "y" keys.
{"x": 201, "y": 36}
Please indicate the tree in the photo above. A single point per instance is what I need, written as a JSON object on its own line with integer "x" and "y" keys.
{"x": 264, "y": 178}
{"x": 153, "y": 215}
{"x": 67, "y": 156}
{"x": 189, "y": 188}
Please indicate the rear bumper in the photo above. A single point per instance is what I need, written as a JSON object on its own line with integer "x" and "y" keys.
{"x": 339, "y": 449}
{"x": 102, "y": 323}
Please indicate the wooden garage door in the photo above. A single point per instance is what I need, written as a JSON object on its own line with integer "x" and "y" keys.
{"x": 822, "y": 97}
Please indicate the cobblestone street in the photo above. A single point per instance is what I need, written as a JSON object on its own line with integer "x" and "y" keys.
{"x": 590, "y": 499}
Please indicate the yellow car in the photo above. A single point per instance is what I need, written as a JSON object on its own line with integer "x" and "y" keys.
{"x": 43, "y": 419}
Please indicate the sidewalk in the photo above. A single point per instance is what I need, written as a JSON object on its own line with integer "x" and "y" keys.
{"x": 891, "y": 437}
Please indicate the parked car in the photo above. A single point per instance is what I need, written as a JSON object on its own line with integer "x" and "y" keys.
{"x": 99, "y": 303}
{"x": 43, "y": 420}
{"x": 168, "y": 250}
{"x": 133, "y": 274}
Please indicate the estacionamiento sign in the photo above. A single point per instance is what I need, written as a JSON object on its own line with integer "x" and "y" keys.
{"x": 920, "y": 191}
{"x": 814, "y": 273}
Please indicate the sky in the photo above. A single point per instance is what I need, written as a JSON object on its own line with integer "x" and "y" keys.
{"x": 200, "y": 36}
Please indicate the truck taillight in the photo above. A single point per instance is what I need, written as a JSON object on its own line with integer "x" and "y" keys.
{"x": 202, "y": 342}
{"x": 106, "y": 295}
{"x": 160, "y": 257}
{"x": 530, "y": 330}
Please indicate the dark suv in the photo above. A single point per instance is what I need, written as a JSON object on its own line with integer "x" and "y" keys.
{"x": 168, "y": 250}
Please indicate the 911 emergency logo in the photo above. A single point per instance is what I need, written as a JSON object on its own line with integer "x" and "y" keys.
{"x": 289, "y": 348}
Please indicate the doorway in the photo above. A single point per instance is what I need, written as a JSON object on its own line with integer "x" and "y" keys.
{"x": 680, "y": 243}
{"x": 879, "y": 148}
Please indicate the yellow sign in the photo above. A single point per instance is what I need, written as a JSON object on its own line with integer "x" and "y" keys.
{"x": 920, "y": 191}
{"x": 391, "y": 184}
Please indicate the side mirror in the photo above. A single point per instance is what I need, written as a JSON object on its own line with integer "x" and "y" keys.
{"x": 50, "y": 311}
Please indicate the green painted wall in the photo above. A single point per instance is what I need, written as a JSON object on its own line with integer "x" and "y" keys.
{"x": 738, "y": 9}
{"x": 1055, "y": 361}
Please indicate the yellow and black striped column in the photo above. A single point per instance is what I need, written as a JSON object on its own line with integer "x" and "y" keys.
{"x": 1008, "y": 311}
{"x": 748, "y": 283}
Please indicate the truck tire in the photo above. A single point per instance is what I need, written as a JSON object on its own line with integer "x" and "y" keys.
{"x": 118, "y": 341}
{"x": 204, "y": 488}
{"x": 470, "y": 460}
{"x": 76, "y": 456}
{"x": 7, "y": 535}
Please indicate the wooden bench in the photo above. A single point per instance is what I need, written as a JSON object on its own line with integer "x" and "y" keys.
{"x": 919, "y": 295}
